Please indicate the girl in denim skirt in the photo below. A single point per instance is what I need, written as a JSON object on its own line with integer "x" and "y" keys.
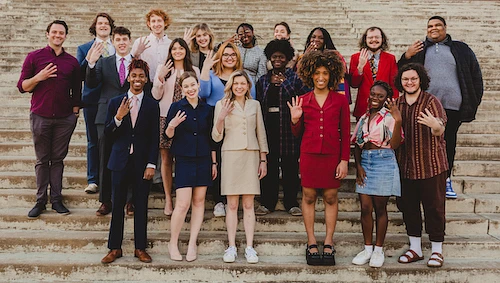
{"x": 377, "y": 134}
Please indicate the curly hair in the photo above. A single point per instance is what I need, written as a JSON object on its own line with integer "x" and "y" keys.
{"x": 204, "y": 27}
{"x": 228, "y": 90}
{"x": 139, "y": 64}
{"x": 160, "y": 13}
{"x": 330, "y": 59}
{"x": 385, "y": 86}
{"x": 422, "y": 75}
{"x": 218, "y": 67}
{"x": 327, "y": 39}
{"x": 279, "y": 45}
{"x": 94, "y": 23}
{"x": 385, "y": 42}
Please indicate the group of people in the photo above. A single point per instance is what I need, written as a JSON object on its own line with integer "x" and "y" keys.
{"x": 231, "y": 115}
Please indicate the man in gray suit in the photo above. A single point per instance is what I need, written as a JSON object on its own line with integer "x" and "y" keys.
{"x": 111, "y": 72}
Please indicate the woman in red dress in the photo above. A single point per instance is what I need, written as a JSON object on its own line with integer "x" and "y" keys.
{"x": 321, "y": 118}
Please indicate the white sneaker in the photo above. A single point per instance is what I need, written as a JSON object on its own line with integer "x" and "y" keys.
{"x": 362, "y": 258}
{"x": 219, "y": 210}
{"x": 230, "y": 254}
{"x": 91, "y": 189}
{"x": 251, "y": 255}
{"x": 262, "y": 210}
{"x": 377, "y": 259}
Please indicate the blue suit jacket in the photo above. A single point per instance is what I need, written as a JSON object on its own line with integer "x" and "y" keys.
{"x": 145, "y": 136}
{"x": 89, "y": 95}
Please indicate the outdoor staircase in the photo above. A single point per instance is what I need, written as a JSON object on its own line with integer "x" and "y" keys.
{"x": 58, "y": 248}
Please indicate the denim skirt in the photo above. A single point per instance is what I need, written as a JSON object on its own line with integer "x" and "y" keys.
{"x": 382, "y": 173}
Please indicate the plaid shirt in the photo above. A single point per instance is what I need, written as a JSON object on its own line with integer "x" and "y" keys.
{"x": 291, "y": 86}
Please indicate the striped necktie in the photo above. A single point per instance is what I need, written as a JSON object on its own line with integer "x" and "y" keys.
{"x": 105, "y": 52}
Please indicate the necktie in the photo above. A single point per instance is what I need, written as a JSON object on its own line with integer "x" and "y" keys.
{"x": 106, "y": 51}
{"x": 121, "y": 72}
{"x": 134, "y": 111}
{"x": 373, "y": 67}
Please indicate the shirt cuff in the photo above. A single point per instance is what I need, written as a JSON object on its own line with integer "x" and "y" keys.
{"x": 151, "y": 165}
{"x": 117, "y": 122}
{"x": 91, "y": 65}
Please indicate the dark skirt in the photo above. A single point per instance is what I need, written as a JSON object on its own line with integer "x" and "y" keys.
{"x": 317, "y": 171}
{"x": 193, "y": 171}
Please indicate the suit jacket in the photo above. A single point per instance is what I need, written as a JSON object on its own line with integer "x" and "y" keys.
{"x": 90, "y": 96}
{"x": 106, "y": 74}
{"x": 324, "y": 130}
{"x": 243, "y": 128}
{"x": 144, "y": 136}
{"x": 387, "y": 71}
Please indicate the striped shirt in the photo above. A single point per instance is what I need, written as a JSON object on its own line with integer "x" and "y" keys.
{"x": 422, "y": 155}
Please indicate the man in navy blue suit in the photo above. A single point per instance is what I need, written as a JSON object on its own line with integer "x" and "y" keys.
{"x": 101, "y": 29}
{"x": 132, "y": 127}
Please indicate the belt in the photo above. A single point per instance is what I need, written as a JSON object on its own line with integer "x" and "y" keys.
{"x": 273, "y": 109}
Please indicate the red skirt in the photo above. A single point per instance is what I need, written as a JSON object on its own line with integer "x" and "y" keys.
{"x": 317, "y": 171}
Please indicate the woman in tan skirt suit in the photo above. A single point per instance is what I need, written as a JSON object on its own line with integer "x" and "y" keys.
{"x": 238, "y": 122}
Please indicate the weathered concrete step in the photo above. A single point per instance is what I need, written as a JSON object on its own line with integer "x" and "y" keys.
{"x": 214, "y": 243}
{"x": 348, "y": 202}
{"x": 20, "y": 136}
{"x": 279, "y": 221}
{"x": 21, "y": 266}
{"x": 479, "y": 140}
{"x": 27, "y": 163}
{"x": 478, "y": 185}
{"x": 478, "y": 127}
{"x": 485, "y": 168}
{"x": 477, "y": 153}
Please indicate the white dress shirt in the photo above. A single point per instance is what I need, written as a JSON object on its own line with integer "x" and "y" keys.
{"x": 156, "y": 54}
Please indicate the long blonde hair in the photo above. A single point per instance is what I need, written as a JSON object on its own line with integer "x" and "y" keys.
{"x": 204, "y": 27}
{"x": 228, "y": 90}
{"x": 218, "y": 67}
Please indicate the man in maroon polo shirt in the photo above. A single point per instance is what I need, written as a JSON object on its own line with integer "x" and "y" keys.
{"x": 52, "y": 76}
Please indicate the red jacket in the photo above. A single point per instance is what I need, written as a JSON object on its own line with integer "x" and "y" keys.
{"x": 387, "y": 71}
{"x": 324, "y": 130}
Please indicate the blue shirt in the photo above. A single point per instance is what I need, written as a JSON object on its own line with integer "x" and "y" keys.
{"x": 213, "y": 89}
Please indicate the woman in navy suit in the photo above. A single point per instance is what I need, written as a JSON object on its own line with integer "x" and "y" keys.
{"x": 189, "y": 125}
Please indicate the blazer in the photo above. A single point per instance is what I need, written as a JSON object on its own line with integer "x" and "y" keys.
{"x": 324, "y": 130}
{"x": 387, "y": 71}
{"x": 90, "y": 96}
{"x": 192, "y": 137}
{"x": 144, "y": 136}
{"x": 164, "y": 92}
{"x": 213, "y": 89}
{"x": 106, "y": 74}
{"x": 243, "y": 128}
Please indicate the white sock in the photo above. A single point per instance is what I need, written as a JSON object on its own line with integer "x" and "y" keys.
{"x": 369, "y": 248}
{"x": 378, "y": 249}
{"x": 437, "y": 247}
{"x": 416, "y": 245}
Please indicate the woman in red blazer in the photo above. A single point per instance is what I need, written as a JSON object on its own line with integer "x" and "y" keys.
{"x": 372, "y": 43}
{"x": 321, "y": 118}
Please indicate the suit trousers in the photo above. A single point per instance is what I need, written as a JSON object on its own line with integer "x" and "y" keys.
{"x": 431, "y": 194}
{"x": 89, "y": 113}
{"x": 51, "y": 138}
{"x": 131, "y": 176}
{"x": 104, "y": 172}
{"x": 450, "y": 136}
{"x": 214, "y": 189}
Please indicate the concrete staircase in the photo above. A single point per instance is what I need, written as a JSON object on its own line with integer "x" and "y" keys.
{"x": 69, "y": 248}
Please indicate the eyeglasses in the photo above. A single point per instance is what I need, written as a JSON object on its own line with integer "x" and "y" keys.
{"x": 227, "y": 55}
{"x": 413, "y": 80}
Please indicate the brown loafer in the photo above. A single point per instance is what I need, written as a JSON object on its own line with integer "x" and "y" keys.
{"x": 129, "y": 209}
{"x": 104, "y": 209}
{"x": 112, "y": 256}
{"x": 142, "y": 255}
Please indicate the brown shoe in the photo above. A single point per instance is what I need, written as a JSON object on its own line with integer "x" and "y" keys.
{"x": 142, "y": 255}
{"x": 129, "y": 209}
{"x": 112, "y": 256}
{"x": 104, "y": 209}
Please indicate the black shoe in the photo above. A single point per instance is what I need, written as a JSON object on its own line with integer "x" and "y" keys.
{"x": 313, "y": 258}
{"x": 328, "y": 258}
{"x": 60, "y": 208}
{"x": 157, "y": 187}
{"x": 36, "y": 211}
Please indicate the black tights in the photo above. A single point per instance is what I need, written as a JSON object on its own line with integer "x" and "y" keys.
{"x": 379, "y": 203}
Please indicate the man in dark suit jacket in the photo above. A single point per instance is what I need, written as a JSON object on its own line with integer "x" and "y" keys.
{"x": 132, "y": 127}
{"x": 106, "y": 72}
{"x": 101, "y": 29}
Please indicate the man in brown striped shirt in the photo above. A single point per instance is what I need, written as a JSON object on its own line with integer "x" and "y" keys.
{"x": 422, "y": 162}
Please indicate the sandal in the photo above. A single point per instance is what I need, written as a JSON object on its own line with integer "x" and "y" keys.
{"x": 313, "y": 258}
{"x": 415, "y": 257}
{"x": 328, "y": 257}
{"x": 438, "y": 259}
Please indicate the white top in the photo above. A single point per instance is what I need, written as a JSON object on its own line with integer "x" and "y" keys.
{"x": 156, "y": 54}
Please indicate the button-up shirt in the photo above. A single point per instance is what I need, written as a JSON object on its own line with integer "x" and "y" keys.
{"x": 422, "y": 155}
{"x": 108, "y": 44}
{"x": 54, "y": 97}
{"x": 156, "y": 54}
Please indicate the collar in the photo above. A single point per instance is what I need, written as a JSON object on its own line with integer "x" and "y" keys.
{"x": 140, "y": 96}
{"x": 53, "y": 52}
{"x": 127, "y": 57}
{"x": 152, "y": 36}
{"x": 97, "y": 39}
{"x": 402, "y": 98}
{"x": 446, "y": 41}
{"x": 382, "y": 112}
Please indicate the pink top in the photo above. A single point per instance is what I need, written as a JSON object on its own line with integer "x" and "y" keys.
{"x": 378, "y": 131}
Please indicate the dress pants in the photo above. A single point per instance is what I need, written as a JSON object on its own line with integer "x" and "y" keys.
{"x": 214, "y": 189}
{"x": 104, "y": 172}
{"x": 51, "y": 138}
{"x": 89, "y": 113}
{"x": 130, "y": 176}
{"x": 450, "y": 136}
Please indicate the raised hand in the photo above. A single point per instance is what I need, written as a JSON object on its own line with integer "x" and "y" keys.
{"x": 295, "y": 109}
{"x": 46, "y": 73}
{"x": 393, "y": 109}
{"x": 188, "y": 37}
{"x": 311, "y": 47}
{"x": 95, "y": 52}
{"x": 211, "y": 59}
{"x": 227, "y": 107}
{"x": 232, "y": 39}
{"x": 165, "y": 70}
{"x": 363, "y": 58}
{"x": 123, "y": 109}
{"x": 178, "y": 119}
{"x": 413, "y": 49}
{"x": 143, "y": 45}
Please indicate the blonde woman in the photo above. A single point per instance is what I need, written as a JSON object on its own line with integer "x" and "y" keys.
{"x": 202, "y": 42}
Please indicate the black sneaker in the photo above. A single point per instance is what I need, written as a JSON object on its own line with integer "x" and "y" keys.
{"x": 36, "y": 211}
{"x": 60, "y": 208}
